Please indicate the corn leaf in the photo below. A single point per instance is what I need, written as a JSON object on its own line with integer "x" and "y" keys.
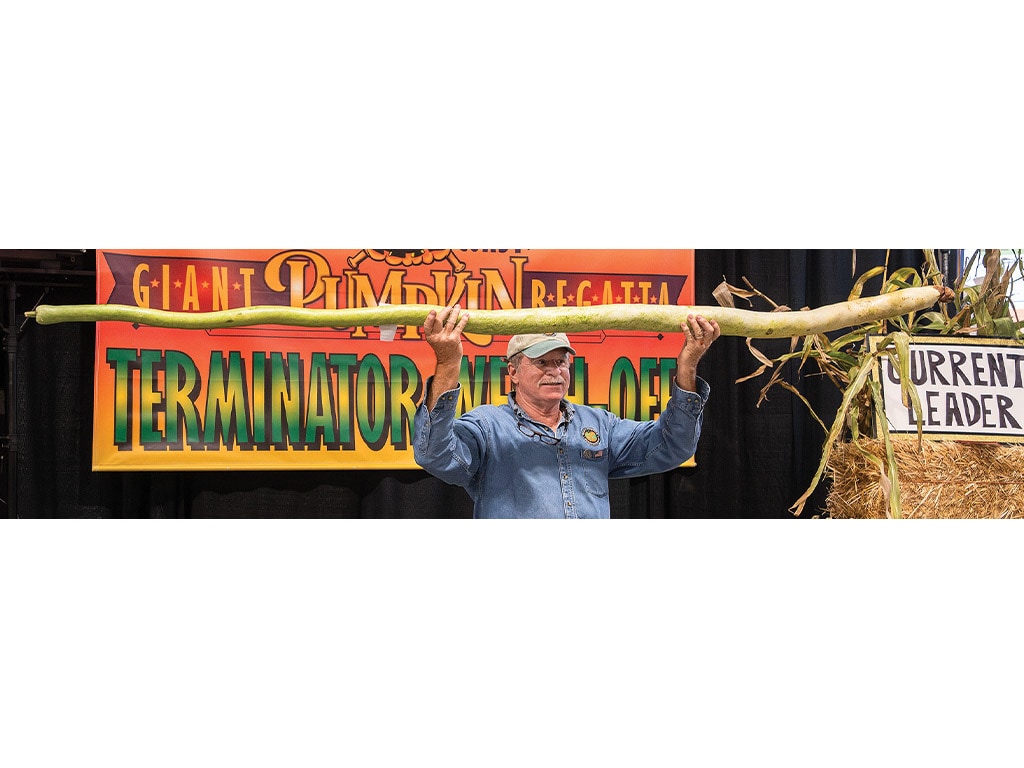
{"x": 860, "y": 376}
{"x": 895, "y": 508}
{"x": 858, "y": 287}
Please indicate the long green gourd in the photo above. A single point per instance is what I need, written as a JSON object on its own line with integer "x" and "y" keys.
{"x": 638, "y": 317}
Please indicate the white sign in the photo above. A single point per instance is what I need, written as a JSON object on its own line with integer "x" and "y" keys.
{"x": 968, "y": 390}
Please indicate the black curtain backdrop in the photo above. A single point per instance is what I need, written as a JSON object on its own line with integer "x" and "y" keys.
{"x": 751, "y": 462}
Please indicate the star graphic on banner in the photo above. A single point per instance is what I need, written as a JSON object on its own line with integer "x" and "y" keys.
{"x": 205, "y": 284}
{"x": 177, "y": 283}
{"x": 595, "y": 298}
{"x": 236, "y": 286}
{"x": 618, "y": 299}
{"x": 654, "y": 299}
{"x": 154, "y": 282}
{"x": 550, "y": 297}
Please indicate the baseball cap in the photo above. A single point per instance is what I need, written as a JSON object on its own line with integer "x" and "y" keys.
{"x": 533, "y": 345}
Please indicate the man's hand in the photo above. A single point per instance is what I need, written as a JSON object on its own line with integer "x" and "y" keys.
{"x": 443, "y": 332}
{"x": 700, "y": 333}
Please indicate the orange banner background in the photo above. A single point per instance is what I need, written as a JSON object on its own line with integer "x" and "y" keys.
{"x": 275, "y": 397}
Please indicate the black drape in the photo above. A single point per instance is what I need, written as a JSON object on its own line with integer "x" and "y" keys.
{"x": 755, "y": 461}
{"x": 751, "y": 462}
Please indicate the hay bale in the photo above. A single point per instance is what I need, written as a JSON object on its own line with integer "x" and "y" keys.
{"x": 944, "y": 479}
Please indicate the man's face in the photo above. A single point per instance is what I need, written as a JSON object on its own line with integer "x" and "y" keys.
{"x": 542, "y": 380}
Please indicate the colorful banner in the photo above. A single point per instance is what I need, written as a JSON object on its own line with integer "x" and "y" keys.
{"x": 277, "y": 397}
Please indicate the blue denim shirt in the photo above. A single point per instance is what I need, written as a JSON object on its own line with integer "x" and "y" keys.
{"x": 513, "y": 466}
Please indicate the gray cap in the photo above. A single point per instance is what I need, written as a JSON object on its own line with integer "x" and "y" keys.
{"x": 533, "y": 345}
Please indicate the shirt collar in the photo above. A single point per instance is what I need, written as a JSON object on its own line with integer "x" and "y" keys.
{"x": 567, "y": 408}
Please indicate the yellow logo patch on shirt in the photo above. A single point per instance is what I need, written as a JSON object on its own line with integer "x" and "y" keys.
{"x": 591, "y": 436}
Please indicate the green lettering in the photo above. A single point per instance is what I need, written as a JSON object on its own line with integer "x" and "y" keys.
{"x": 473, "y": 378}
{"x": 648, "y": 397}
{"x": 622, "y": 391}
{"x": 372, "y": 394}
{"x": 123, "y": 361}
{"x": 345, "y": 364}
{"x": 150, "y": 397}
{"x": 406, "y": 390}
{"x": 259, "y": 398}
{"x": 320, "y": 416}
{"x": 227, "y": 402}
{"x": 285, "y": 399}
{"x": 182, "y": 384}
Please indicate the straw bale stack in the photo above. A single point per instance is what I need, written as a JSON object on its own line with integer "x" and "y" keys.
{"x": 944, "y": 479}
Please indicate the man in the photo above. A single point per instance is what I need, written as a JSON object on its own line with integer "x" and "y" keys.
{"x": 539, "y": 455}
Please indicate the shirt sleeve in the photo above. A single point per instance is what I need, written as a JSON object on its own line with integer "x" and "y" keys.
{"x": 448, "y": 448}
{"x": 647, "y": 447}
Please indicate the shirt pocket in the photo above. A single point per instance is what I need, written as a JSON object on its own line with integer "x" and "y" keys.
{"x": 594, "y": 461}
